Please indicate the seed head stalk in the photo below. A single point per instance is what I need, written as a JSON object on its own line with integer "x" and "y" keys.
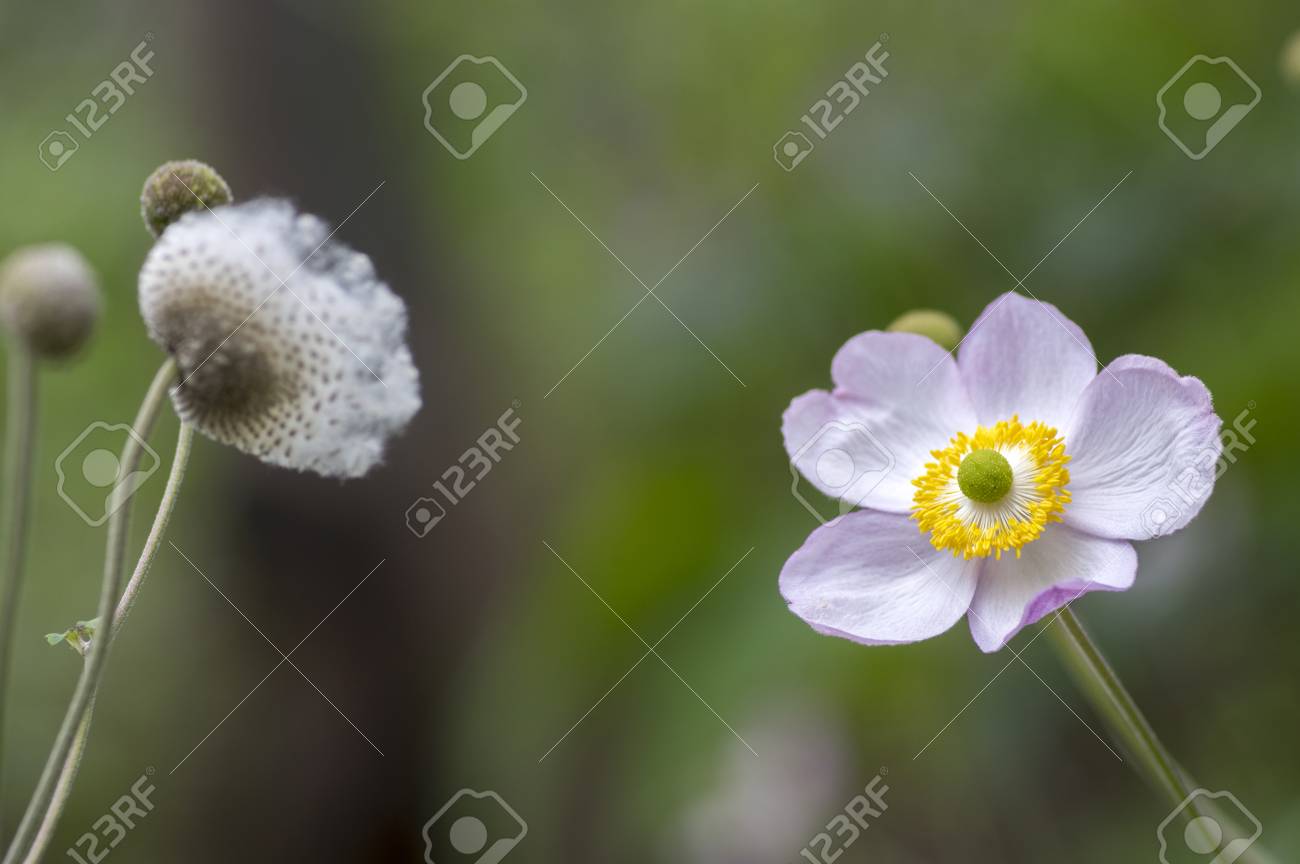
{"x": 92, "y": 671}
{"x": 19, "y": 455}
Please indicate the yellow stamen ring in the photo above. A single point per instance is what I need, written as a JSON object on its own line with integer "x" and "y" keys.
{"x": 1035, "y": 495}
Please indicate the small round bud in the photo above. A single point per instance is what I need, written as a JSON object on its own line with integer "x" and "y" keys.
{"x": 177, "y": 188}
{"x": 49, "y": 299}
{"x": 1290, "y": 63}
{"x": 931, "y": 323}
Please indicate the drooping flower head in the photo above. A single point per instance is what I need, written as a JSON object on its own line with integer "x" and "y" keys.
{"x": 289, "y": 346}
{"x": 1018, "y": 475}
{"x": 49, "y": 299}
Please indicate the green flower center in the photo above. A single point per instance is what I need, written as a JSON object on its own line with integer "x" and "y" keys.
{"x": 984, "y": 476}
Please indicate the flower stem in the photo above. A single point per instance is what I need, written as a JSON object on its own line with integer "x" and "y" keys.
{"x": 19, "y": 446}
{"x": 92, "y": 671}
{"x": 63, "y": 788}
{"x": 1108, "y": 694}
{"x": 163, "y": 518}
{"x": 1110, "y": 697}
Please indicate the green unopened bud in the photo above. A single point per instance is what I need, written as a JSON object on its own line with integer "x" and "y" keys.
{"x": 177, "y": 188}
{"x": 931, "y": 323}
{"x": 49, "y": 299}
{"x": 1290, "y": 63}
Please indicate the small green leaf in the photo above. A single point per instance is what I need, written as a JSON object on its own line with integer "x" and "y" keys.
{"x": 78, "y": 636}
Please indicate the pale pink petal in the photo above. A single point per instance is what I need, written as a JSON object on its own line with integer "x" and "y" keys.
{"x": 1144, "y": 446}
{"x": 871, "y": 577}
{"x": 1052, "y": 571}
{"x": 897, "y": 397}
{"x": 1024, "y": 357}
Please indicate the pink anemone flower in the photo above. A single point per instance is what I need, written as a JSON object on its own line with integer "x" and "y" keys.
{"x": 1015, "y": 476}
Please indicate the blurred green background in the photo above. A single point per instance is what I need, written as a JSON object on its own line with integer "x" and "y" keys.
{"x": 650, "y": 469}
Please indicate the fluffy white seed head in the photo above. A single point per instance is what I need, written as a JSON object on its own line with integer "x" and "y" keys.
{"x": 49, "y": 299}
{"x": 288, "y": 345}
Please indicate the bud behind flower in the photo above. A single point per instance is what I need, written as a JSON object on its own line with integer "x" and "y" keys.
{"x": 937, "y": 326}
{"x": 177, "y": 188}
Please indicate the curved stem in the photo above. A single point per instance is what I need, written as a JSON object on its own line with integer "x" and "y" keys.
{"x": 1108, "y": 692}
{"x": 1109, "y": 695}
{"x": 17, "y": 499}
{"x": 181, "y": 459}
{"x": 92, "y": 671}
{"x": 71, "y": 765}
{"x": 62, "y": 789}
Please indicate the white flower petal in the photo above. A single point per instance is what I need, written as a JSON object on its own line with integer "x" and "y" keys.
{"x": 1144, "y": 445}
{"x": 897, "y": 397}
{"x": 1023, "y": 357}
{"x": 311, "y": 373}
{"x": 871, "y": 577}
{"x": 1052, "y": 571}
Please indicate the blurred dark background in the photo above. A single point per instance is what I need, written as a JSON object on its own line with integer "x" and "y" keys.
{"x": 650, "y": 468}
